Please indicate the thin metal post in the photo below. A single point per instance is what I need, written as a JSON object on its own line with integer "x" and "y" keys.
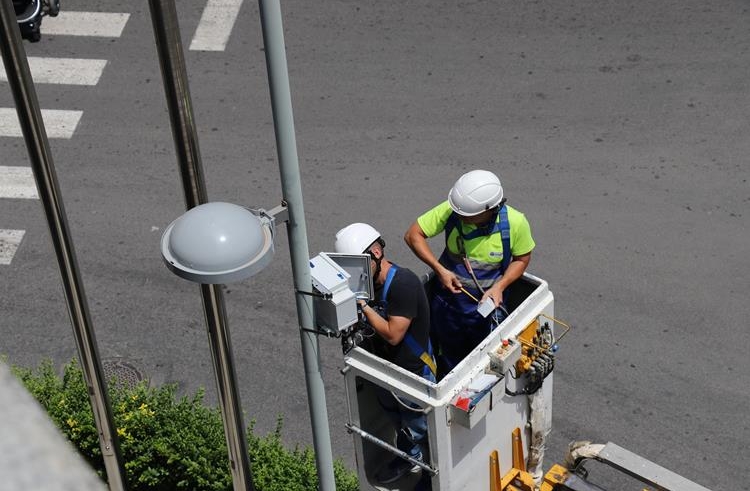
{"x": 283, "y": 120}
{"x": 390, "y": 448}
{"x": 174, "y": 74}
{"x": 32, "y": 127}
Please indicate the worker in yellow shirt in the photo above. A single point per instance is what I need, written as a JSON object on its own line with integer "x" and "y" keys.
{"x": 488, "y": 246}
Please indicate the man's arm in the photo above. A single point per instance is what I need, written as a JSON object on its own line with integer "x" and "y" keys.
{"x": 416, "y": 239}
{"x": 392, "y": 329}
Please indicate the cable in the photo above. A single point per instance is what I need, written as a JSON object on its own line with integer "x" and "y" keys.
{"x": 468, "y": 267}
{"x": 566, "y": 326}
{"x": 410, "y": 408}
{"x": 367, "y": 332}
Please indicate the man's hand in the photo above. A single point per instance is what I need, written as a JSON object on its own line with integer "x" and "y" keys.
{"x": 495, "y": 292}
{"x": 449, "y": 280}
{"x": 417, "y": 241}
{"x": 515, "y": 270}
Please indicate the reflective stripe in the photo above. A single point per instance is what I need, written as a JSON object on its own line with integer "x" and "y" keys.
{"x": 429, "y": 362}
{"x": 486, "y": 272}
{"x": 476, "y": 264}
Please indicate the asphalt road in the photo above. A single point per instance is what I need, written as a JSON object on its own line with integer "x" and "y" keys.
{"x": 619, "y": 128}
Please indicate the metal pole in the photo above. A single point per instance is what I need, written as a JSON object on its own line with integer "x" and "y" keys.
{"x": 32, "y": 126}
{"x": 389, "y": 448}
{"x": 174, "y": 74}
{"x": 283, "y": 120}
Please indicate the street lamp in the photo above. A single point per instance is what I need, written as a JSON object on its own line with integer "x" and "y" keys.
{"x": 221, "y": 242}
{"x": 218, "y": 243}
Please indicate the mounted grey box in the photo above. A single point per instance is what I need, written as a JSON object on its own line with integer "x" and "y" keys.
{"x": 340, "y": 279}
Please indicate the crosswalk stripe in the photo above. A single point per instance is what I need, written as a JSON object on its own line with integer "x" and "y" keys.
{"x": 64, "y": 71}
{"x": 57, "y": 122}
{"x": 9, "y": 242}
{"x": 103, "y": 24}
{"x": 215, "y": 26}
{"x": 17, "y": 182}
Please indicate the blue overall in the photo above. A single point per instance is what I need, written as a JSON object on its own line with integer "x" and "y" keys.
{"x": 411, "y": 425}
{"x": 455, "y": 322}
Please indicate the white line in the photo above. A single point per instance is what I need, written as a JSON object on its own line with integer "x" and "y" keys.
{"x": 215, "y": 25}
{"x": 65, "y": 71}
{"x": 17, "y": 182}
{"x": 58, "y": 123}
{"x": 103, "y": 24}
{"x": 9, "y": 242}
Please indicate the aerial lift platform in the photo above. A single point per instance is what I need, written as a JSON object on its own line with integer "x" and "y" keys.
{"x": 489, "y": 418}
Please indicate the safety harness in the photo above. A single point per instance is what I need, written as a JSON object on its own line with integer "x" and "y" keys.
{"x": 500, "y": 224}
{"x": 411, "y": 342}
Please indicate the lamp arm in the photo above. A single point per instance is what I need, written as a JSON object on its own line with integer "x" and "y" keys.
{"x": 279, "y": 214}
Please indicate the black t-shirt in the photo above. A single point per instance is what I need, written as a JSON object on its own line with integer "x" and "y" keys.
{"x": 406, "y": 298}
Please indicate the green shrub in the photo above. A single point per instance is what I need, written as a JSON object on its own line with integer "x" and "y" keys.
{"x": 169, "y": 443}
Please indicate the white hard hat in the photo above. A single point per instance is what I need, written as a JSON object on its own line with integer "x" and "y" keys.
{"x": 355, "y": 238}
{"x": 475, "y": 192}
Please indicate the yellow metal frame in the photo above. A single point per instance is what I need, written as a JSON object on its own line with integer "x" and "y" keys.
{"x": 517, "y": 479}
{"x": 557, "y": 475}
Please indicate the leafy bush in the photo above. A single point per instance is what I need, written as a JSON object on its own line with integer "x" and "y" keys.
{"x": 169, "y": 443}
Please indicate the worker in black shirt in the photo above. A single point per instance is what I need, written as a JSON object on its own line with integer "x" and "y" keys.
{"x": 400, "y": 315}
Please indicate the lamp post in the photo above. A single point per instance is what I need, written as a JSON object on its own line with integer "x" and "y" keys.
{"x": 286, "y": 146}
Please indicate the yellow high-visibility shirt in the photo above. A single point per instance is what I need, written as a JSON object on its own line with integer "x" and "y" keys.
{"x": 487, "y": 249}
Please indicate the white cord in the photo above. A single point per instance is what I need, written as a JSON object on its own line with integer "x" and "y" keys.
{"x": 410, "y": 408}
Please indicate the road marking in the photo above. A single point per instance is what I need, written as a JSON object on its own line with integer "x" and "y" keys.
{"x": 64, "y": 71}
{"x": 9, "y": 242}
{"x": 17, "y": 183}
{"x": 57, "y": 122}
{"x": 103, "y": 24}
{"x": 215, "y": 26}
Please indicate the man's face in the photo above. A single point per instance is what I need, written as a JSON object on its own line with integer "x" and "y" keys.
{"x": 480, "y": 219}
